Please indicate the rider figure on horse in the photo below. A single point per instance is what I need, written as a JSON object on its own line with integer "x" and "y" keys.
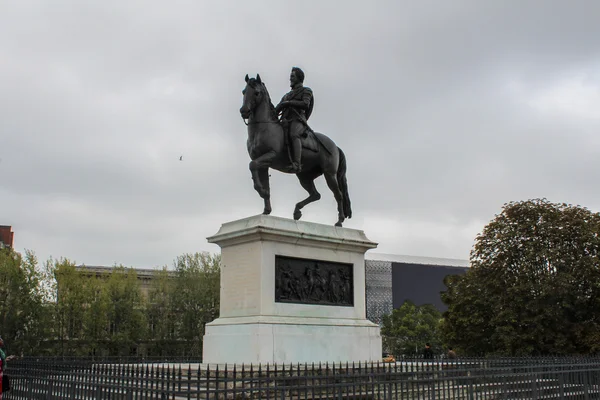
{"x": 296, "y": 105}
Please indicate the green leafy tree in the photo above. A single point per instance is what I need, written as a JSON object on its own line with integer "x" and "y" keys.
{"x": 126, "y": 312}
{"x": 23, "y": 318}
{"x": 162, "y": 316}
{"x": 534, "y": 284}
{"x": 408, "y": 328}
{"x": 96, "y": 319}
{"x": 196, "y": 296}
{"x": 80, "y": 306}
{"x": 72, "y": 298}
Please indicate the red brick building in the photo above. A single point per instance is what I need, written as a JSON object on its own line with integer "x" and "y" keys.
{"x": 6, "y": 236}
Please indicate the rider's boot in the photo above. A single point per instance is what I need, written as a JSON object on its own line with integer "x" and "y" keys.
{"x": 296, "y": 163}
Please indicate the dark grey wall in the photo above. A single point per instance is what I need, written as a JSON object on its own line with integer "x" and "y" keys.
{"x": 420, "y": 283}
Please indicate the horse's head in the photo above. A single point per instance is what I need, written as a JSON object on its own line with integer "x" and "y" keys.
{"x": 254, "y": 93}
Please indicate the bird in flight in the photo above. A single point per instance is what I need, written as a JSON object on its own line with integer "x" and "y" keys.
{"x": 180, "y": 158}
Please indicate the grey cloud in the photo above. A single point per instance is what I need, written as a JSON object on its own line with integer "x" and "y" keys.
{"x": 433, "y": 103}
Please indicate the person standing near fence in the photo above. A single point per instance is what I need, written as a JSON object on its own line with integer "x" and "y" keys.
{"x": 3, "y": 359}
{"x": 451, "y": 353}
{"x": 2, "y": 365}
{"x": 427, "y": 352}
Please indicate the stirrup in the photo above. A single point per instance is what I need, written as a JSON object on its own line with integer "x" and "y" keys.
{"x": 296, "y": 167}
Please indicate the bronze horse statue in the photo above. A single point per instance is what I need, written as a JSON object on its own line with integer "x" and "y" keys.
{"x": 268, "y": 149}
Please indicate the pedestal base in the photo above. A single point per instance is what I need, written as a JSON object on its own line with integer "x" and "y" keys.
{"x": 290, "y": 340}
{"x": 291, "y": 292}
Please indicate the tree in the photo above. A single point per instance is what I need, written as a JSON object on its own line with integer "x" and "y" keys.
{"x": 534, "y": 284}
{"x": 196, "y": 295}
{"x": 23, "y": 320}
{"x": 96, "y": 322}
{"x": 72, "y": 297}
{"x": 66, "y": 310}
{"x": 408, "y": 328}
{"x": 162, "y": 315}
{"x": 126, "y": 312}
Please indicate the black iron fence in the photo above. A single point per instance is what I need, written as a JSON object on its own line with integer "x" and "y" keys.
{"x": 465, "y": 378}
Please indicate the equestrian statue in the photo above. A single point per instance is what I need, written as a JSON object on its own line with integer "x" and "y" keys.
{"x": 289, "y": 145}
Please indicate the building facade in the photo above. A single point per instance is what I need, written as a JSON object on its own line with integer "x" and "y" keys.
{"x": 144, "y": 275}
{"x": 392, "y": 279}
{"x": 7, "y": 236}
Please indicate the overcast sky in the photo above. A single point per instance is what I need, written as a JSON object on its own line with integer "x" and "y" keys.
{"x": 445, "y": 110}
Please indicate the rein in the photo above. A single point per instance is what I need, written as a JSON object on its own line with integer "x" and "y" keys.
{"x": 258, "y": 122}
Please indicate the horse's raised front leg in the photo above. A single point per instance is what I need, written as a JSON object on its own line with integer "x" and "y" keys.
{"x": 308, "y": 183}
{"x": 263, "y": 175}
{"x": 337, "y": 193}
{"x": 262, "y": 163}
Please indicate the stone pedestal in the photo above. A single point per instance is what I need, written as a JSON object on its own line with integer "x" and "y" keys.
{"x": 291, "y": 291}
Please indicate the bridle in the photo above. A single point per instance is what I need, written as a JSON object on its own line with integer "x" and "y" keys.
{"x": 257, "y": 122}
{"x": 253, "y": 105}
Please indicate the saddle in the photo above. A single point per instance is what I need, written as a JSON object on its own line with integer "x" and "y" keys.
{"x": 308, "y": 138}
{"x": 309, "y": 141}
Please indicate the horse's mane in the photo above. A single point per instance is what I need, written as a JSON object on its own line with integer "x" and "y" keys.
{"x": 254, "y": 83}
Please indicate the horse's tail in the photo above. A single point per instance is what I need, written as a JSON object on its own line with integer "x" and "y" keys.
{"x": 343, "y": 184}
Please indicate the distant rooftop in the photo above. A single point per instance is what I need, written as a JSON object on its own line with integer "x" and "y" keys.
{"x": 447, "y": 262}
{"x": 99, "y": 269}
{"x": 7, "y": 236}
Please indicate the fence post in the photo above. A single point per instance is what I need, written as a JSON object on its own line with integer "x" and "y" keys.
{"x": 471, "y": 390}
{"x": 586, "y": 392}
{"x": 504, "y": 387}
{"x": 73, "y": 389}
{"x": 29, "y": 387}
{"x": 561, "y": 385}
{"x": 50, "y": 393}
{"x": 534, "y": 394}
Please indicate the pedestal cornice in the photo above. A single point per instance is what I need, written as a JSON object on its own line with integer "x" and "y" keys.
{"x": 276, "y": 229}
